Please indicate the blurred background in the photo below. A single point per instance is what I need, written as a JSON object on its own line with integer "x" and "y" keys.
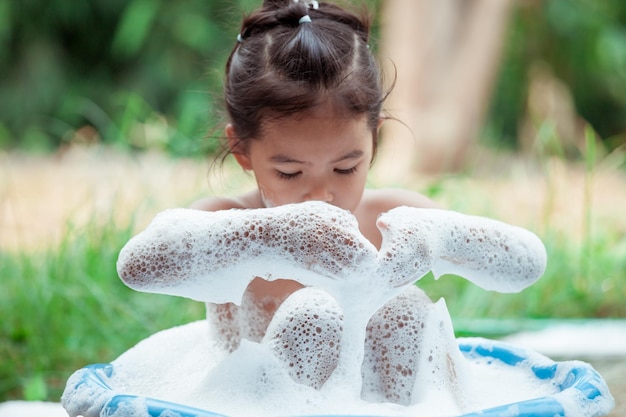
{"x": 110, "y": 109}
{"x": 109, "y": 71}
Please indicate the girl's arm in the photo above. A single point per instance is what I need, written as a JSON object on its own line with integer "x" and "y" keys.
{"x": 191, "y": 253}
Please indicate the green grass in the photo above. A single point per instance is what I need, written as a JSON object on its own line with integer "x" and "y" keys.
{"x": 65, "y": 308}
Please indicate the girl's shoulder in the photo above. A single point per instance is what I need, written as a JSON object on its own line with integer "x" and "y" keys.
{"x": 378, "y": 201}
{"x": 245, "y": 201}
{"x": 385, "y": 199}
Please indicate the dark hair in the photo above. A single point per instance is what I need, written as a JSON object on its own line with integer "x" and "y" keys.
{"x": 282, "y": 66}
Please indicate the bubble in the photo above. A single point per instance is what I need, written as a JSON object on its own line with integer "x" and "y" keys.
{"x": 305, "y": 335}
{"x": 360, "y": 338}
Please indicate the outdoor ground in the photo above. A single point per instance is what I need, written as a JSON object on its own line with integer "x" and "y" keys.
{"x": 40, "y": 195}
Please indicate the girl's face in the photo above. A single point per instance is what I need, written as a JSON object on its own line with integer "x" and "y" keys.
{"x": 315, "y": 157}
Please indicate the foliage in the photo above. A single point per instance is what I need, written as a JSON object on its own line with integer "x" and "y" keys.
{"x": 583, "y": 42}
{"x": 112, "y": 65}
{"x": 64, "y": 308}
{"x": 147, "y": 73}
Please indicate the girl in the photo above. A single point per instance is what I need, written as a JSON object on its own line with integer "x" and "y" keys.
{"x": 303, "y": 95}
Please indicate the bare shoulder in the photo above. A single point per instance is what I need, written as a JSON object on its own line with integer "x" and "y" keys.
{"x": 375, "y": 202}
{"x": 246, "y": 201}
{"x": 382, "y": 200}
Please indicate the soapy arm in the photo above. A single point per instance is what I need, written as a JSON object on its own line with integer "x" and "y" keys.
{"x": 212, "y": 256}
{"x": 491, "y": 254}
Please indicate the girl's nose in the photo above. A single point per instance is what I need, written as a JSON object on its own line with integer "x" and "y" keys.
{"x": 319, "y": 192}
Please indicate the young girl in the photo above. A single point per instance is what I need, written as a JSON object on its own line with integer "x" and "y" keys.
{"x": 304, "y": 99}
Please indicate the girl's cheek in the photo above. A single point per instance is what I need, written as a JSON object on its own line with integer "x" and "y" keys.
{"x": 267, "y": 200}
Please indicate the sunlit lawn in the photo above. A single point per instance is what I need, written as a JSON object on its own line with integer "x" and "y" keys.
{"x": 64, "y": 219}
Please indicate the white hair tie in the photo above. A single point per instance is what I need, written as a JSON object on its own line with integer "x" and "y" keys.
{"x": 305, "y": 19}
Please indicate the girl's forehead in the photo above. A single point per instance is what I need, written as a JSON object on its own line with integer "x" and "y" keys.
{"x": 317, "y": 126}
{"x": 328, "y": 109}
{"x": 314, "y": 134}
{"x": 318, "y": 120}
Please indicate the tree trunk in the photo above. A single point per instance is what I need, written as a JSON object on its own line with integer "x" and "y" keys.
{"x": 446, "y": 53}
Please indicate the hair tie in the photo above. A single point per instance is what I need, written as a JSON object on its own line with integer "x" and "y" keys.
{"x": 305, "y": 19}
{"x": 239, "y": 38}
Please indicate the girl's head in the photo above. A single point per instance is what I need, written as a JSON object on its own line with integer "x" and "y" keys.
{"x": 284, "y": 65}
{"x": 297, "y": 60}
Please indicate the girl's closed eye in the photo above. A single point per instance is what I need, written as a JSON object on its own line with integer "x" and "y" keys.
{"x": 346, "y": 171}
{"x": 287, "y": 175}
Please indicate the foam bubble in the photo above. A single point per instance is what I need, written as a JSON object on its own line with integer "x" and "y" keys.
{"x": 491, "y": 254}
{"x": 393, "y": 346}
{"x": 183, "y": 366}
{"x": 83, "y": 399}
{"x": 189, "y": 252}
{"x": 360, "y": 340}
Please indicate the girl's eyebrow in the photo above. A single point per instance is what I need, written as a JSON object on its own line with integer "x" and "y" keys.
{"x": 284, "y": 159}
{"x": 357, "y": 153}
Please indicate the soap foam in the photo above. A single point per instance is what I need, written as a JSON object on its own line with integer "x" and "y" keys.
{"x": 313, "y": 358}
{"x": 306, "y": 335}
{"x": 182, "y": 365}
{"x": 189, "y": 252}
{"x": 491, "y": 254}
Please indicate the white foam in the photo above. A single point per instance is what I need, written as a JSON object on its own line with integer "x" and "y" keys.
{"x": 308, "y": 321}
{"x": 189, "y": 253}
{"x": 361, "y": 340}
{"x": 181, "y": 365}
{"x": 491, "y": 254}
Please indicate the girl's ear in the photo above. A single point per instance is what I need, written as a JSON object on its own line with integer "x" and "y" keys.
{"x": 237, "y": 148}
